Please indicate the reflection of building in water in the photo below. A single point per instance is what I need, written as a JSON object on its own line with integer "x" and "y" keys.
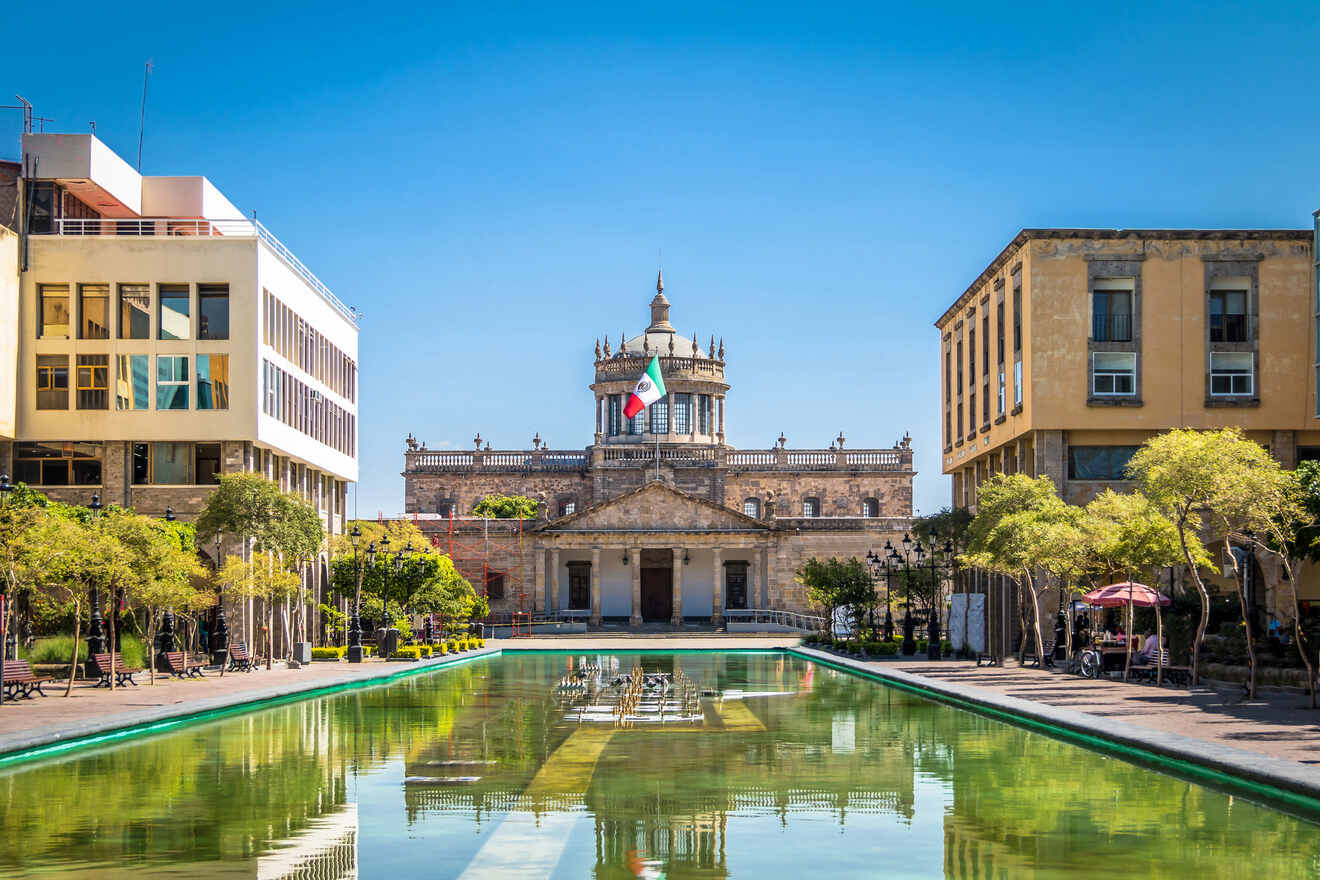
{"x": 694, "y": 843}
{"x": 326, "y": 849}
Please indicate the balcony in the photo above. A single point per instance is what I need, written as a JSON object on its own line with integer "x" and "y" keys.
{"x": 188, "y": 228}
{"x": 1230, "y": 327}
{"x": 1115, "y": 327}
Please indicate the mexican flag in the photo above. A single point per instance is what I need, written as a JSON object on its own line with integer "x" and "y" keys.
{"x": 650, "y": 388}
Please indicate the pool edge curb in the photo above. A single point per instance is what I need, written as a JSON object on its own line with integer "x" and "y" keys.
{"x": 1288, "y": 778}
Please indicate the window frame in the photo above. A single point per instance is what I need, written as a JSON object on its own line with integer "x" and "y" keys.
{"x": 217, "y": 392}
{"x": 124, "y": 294}
{"x": 48, "y": 372}
{"x": 1250, "y": 374}
{"x": 89, "y": 362}
{"x": 173, "y": 382}
{"x": 51, "y": 292}
{"x": 211, "y": 293}
{"x": 870, "y": 508}
{"x": 173, "y": 292}
{"x": 752, "y": 507}
{"x": 93, "y": 292}
{"x": 811, "y": 507}
{"x": 1113, "y": 374}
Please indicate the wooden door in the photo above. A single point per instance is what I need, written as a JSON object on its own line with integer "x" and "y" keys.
{"x": 657, "y": 594}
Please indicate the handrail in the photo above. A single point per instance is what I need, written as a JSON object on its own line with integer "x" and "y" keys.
{"x": 792, "y": 619}
{"x": 189, "y": 227}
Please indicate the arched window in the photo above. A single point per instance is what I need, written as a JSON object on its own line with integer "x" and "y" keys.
{"x": 752, "y": 507}
{"x": 811, "y": 507}
{"x": 870, "y": 507}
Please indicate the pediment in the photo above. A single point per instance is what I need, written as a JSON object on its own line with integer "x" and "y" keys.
{"x": 655, "y": 507}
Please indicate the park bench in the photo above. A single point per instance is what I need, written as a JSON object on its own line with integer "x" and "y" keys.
{"x": 19, "y": 680}
{"x": 101, "y": 664}
{"x": 239, "y": 659}
{"x": 177, "y": 663}
{"x": 1030, "y": 657}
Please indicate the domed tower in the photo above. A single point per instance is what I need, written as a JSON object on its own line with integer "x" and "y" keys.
{"x": 692, "y": 411}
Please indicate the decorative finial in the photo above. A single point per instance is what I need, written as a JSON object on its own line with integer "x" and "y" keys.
{"x": 712, "y": 346}
{"x": 671, "y": 346}
{"x": 536, "y": 441}
{"x": 783, "y": 441}
{"x": 476, "y": 441}
{"x": 607, "y": 345}
{"x": 646, "y": 345}
{"x": 907, "y": 439}
{"x": 696, "y": 349}
{"x": 660, "y": 281}
{"x": 840, "y": 439}
{"x": 488, "y": 446}
{"x": 721, "y": 348}
{"x": 623, "y": 344}
{"x": 411, "y": 442}
{"x": 598, "y": 349}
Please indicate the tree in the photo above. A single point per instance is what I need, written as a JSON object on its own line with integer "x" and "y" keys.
{"x": 1294, "y": 534}
{"x": 1224, "y": 480}
{"x": 401, "y": 533}
{"x": 1013, "y": 525}
{"x": 506, "y": 507}
{"x": 839, "y": 584}
{"x": 298, "y": 537}
{"x": 264, "y": 577}
{"x": 1131, "y": 536}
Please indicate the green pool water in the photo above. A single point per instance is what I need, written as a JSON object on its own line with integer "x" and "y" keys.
{"x": 774, "y": 767}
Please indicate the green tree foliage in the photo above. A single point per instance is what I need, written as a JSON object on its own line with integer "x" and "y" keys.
{"x": 506, "y": 507}
{"x": 835, "y": 584}
{"x": 246, "y": 507}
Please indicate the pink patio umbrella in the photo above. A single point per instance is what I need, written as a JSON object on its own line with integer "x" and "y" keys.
{"x": 1129, "y": 594}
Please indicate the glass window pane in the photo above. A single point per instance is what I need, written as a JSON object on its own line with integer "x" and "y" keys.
{"x": 132, "y": 382}
{"x": 94, "y": 311}
{"x": 213, "y": 311}
{"x": 87, "y": 472}
{"x": 134, "y": 311}
{"x": 171, "y": 462}
{"x": 207, "y": 464}
{"x": 660, "y": 416}
{"x": 54, "y": 306}
{"x": 141, "y": 464}
{"x": 174, "y": 322}
{"x": 93, "y": 381}
{"x": 1120, "y": 360}
{"x": 55, "y": 473}
{"x": 171, "y": 382}
{"x": 213, "y": 381}
{"x": 52, "y": 381}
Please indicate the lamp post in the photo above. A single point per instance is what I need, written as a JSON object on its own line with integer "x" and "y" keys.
{"x": 355, "y": 622}
{"x": 879, "y": 563}
{"x": 96, "y": 630}
{"x": 909, "y": 642}
{"x": 220, "y": 637}
{"x": 165, "y": 638}
{"x": 933, "y": 626}
{"x": 5, "y": 489}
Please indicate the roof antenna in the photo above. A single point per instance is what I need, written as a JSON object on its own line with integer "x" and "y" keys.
{"x": 92, "y": 125}
{"x": 142, "y": 113}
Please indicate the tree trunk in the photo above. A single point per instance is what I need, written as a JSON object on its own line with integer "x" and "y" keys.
{"x": 77, "y": 630}
{"x": 1297, "y": 628}
{"x": 1204, "y": 622}
{"x": 114, "y": 610}
{"x": 1127, "y": 653}
{"x": 1035, "y": 614}
{"x": 1022, "y": 620}
{"x": 1159, "y": 649}
{"x": 1240, "y": 579}
{"x": 151, "y": 645}
{"x": 270, "y": 633}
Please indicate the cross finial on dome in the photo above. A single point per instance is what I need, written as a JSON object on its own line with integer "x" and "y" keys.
{"x": 660, "y": 281}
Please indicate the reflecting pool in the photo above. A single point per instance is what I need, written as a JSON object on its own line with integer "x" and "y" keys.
{"x": 621, "y": 765}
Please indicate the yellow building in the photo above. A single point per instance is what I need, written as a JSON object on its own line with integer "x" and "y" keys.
{"x": 1075, "y": 345}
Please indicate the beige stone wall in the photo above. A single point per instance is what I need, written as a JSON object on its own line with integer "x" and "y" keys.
{"x": 424, "y": 493}
{"x": 840, "y": 494}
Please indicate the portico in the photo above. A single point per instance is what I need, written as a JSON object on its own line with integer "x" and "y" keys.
{"x": 654, "y": 555}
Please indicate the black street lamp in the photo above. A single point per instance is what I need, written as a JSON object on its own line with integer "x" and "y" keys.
{"x": 355, "y": 622}
{"x": 169, "y": 513}
{"x": 879, "y": 563}
{"x": 909, "y": 642}
{"x": 165, "y": 638}
{"x": 5, "y": 488}
{"x": 96, "y": 631}
{"x": 933, "y": 627}
{"x": 220, "y": 638}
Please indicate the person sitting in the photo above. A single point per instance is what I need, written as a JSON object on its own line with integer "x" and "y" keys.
{"x": 1150, "y": 651}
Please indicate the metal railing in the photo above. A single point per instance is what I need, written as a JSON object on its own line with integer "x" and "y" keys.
{"x": 1230, "y": 328}
{"x": 1116, "y": 327}
{"x": 790, "y": 619}
{"x": 184, "y": 227}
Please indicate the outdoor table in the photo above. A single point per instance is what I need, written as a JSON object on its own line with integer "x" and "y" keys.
{"x": 1111, "y": 657}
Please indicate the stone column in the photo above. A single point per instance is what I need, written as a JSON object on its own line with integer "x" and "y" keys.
{"x": 717, "y": 605}
{"x": 754, "y": 580}
{"x": 595, "y": 586}
{"x": 720, "y": 402}
{"x": 676, "y": 617}
{"x": 538, "y": 590}
{"x": 553, "y": 599}
{"x": 635, "y": 561}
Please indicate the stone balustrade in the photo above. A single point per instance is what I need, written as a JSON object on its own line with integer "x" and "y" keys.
{"x": 425, "y": 461}
{"x": 630, "y": 366}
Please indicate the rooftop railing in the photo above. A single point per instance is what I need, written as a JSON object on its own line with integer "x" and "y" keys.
{"x": 183, "y": 227}
{"x": 677, "y": 454}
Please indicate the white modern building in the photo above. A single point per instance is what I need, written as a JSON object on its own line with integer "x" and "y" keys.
{"x": 162, "y": 339}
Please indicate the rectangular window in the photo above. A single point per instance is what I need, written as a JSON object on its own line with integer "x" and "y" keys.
{"x": 971, "y": 413}
{"x": 1098, "y": 462}
{"x": 173, "y": 317}
{"x": 53, "y": 306}
{"x": 735, "y": 586}
{"x": 960, "y": 367}
{"x": 1017, "y": 319}
{"x": 1017, "y": 383}
{"x": 134, "y": 311}
{"x": 971, "y": 358}
{"x": 1111, "y": 316}
{"x": 1229, "y": 321}
{"x": 93, "y": 311}
{"x": 579, "y": 586}
{"x": 213, "y": 381}
{"x": 66, "y": 464}
{"x": 52, "y": 381}
{"x": 985, "y": 344}
{"x": 615, "y": 421}
{"x": 213, "y": 311}
{"x": 999, "y": 331}
{"x": 960, "y": 421}
{"x": 660, "y": 416}
{"x": 682, "y": 413}
{"x": 1231, "y": 373}
{"x": 206, "y": 459}
{"x": 171, "y": 382}
{"x": 133, "y": 382}
{"x": 948, "y": 428}
{"x": 985, "y": 405}
{"x": 170, "y": 463}
{"x": 93, "y": 381}
{"x": 41, "y": 207}
{"x": 703, "y": 414}
{"x": 1113, "y": 373}
{"x": 637, "y": 424}
{"x": 1003, "y": 390}
{"x": 948, "y": 378}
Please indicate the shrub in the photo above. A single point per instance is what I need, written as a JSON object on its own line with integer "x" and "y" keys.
{"x": 328, "y": 653}
{"x": 54, "y": 649}
{"x": 407, "y": 652}
{"x": 481, "y": 643}
{"x": 423, "y": 650}
{"x": 886, "y": 649}
{"x": 442, "y": 650}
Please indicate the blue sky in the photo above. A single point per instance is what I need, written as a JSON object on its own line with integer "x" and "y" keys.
{"x": 491, "y": 184}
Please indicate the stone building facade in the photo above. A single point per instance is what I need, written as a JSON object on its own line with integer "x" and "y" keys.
{"x": 659, "y": 520}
